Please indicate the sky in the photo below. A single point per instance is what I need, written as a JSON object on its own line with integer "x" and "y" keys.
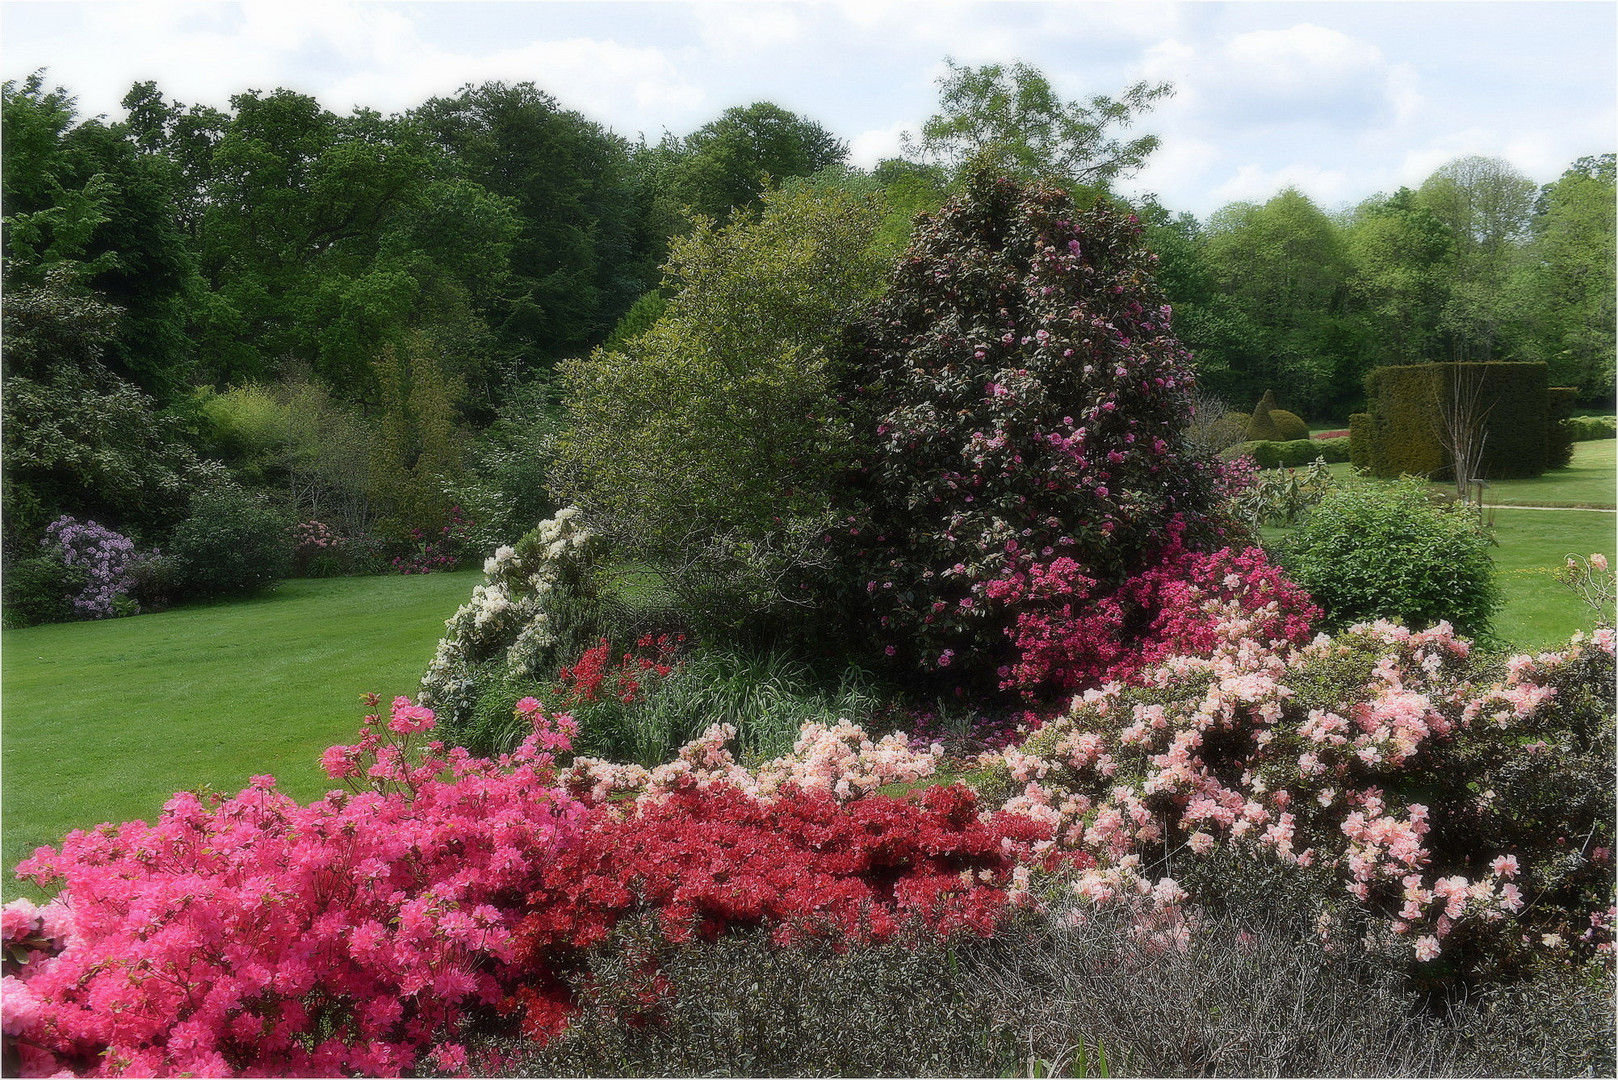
{"x": 1341, "y": 100}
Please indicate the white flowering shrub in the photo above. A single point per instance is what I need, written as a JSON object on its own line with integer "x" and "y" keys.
{"x": 516, "y": 620}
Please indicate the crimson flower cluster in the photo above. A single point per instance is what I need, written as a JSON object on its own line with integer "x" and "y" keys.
{"x": 703, "y": 860}
{"x": 595, "y": 674}
{"x": 1067, "y": 637}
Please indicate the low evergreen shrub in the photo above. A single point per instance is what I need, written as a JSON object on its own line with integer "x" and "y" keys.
{"x": 1591, "y": 428}
{"x": 41, "y": 590}
{"x": 1291, "y": 455}
{"x": 1374, "y": 551}
{"x": 232, "y": 543}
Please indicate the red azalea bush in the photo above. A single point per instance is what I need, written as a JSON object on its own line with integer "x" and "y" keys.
{"x": 254, "y": 936}
{"x": 654, "y": 657}
{"x": 1023, "y": 402}
{"x": 701, "y": 860}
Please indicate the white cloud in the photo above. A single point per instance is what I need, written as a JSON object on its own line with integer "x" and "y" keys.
{"x": 737, "y": 28}
{"x": 869, "y": 147}
{"x": 1327, "y": 188}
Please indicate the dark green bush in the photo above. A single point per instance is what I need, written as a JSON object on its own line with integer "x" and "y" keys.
{"x": 41, "y": 590}
{"x": 1558, "y": 439}
{"x": 1289, "y": 426}
{"x": 232, "y": 543}
{"x": 1361, "y": 441}
{"x": 1252, "y": 994}
{"x": 1389, "y": 551}
{"x": 742, "y": 1006}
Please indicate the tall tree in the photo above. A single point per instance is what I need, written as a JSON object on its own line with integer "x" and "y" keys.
{"x": 326, "y": 238}
{"x": 1403, "y": 262}
{"x": 583, "y": 252}
{"x": 724, "y": 164}
{"x": 1012, "y": 120}
{"x": 79, "y": 196}
{"x": 1487, "y": 205}
{"x": 1569, "y": 272}
{"x": 1282, "y": 270}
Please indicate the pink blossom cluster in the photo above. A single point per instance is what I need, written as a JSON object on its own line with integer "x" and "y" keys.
{"x": 1067, "y": 637}
{"x": 1314, "y": 755}
{"x": 255, "y": 936}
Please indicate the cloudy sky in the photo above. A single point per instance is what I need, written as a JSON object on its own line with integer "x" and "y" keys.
{"x": 1341, "y": 100}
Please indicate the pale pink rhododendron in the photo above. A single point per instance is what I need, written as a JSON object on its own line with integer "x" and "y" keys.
{"x": 1304, "y": 754}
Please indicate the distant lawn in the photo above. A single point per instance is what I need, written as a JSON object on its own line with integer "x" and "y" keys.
{"x": 1590, "y": 481}
{"x": 103, "y": 721}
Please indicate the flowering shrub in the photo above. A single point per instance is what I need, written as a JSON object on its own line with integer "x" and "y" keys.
{"x": 253, "y": 935}
{"x": 1022, "y": 401}
{"x": 704, "y": 860}
{"x": 107, "y": 559}
{"x": 515, "y": 621}
{"x": 1442, "y": 808}
{"x": 436, "y": 551}
{"x": 1592, "y": 582}
{"x": 595, "y": 674}
{"x": 1068, "y": 638}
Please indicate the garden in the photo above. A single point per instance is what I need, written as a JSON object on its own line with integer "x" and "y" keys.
{"x": 881, "y": 653}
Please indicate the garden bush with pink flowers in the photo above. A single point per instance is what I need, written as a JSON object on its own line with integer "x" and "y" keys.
{"x": 1023, "y": 405}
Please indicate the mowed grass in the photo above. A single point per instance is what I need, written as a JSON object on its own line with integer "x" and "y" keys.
{"x": 1537, "y": 611}
{"x": 103, "y": 721}
{"x": 1591, "y": 481}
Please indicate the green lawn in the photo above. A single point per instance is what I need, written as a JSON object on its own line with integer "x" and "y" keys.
{"x": 104, "y": 720}
{"x": 1538, "y": 611}
{"x": 1590, "y": 481}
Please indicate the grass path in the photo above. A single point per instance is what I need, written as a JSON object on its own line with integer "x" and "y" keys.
{"x": 103, "y": 721}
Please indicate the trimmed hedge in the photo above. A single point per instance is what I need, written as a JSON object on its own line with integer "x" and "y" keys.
{"x": 1290, "y": 454}
{"x": 1591, "y": 428}
{"x": 1406, "y": 411}
{"x": 1559, "y": 402}
{"x": 1361, "y": 440}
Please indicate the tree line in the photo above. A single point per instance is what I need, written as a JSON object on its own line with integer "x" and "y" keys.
{"x": 427, "y": 271}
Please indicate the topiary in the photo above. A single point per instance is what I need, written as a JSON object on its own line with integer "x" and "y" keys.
{"x": 1260, "y": 426}
{"x": 1371, "y": 551}
{"x": 1290, "y": 425}
{"x": 1021, "y": 400}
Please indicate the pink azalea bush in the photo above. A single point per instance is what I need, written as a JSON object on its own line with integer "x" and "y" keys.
{"x": 1452, "y": 815}
{"x": 1023, "y": 403}
{"x": 1068, "y": 635}
{"x": 255, "y": 936}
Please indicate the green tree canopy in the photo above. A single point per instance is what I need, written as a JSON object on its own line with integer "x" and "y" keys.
{"x": 1011, "y": 120}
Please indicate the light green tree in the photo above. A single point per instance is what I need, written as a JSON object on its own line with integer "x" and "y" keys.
{"x": 709, "y": 443}
{"x": 1569, "y": 277}
{"x": 1012, "y": 120}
